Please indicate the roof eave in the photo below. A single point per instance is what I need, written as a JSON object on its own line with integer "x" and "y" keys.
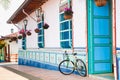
{"x": 17, "y": 11}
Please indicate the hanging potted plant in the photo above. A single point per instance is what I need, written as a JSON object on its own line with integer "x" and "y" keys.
{"x": 25, "y": 32}
{"x": 68, "y": 13}
{"x": 21, "y": 31}
{"x": 10, "y": 40}
{"x": 28, "y": 33}
{"x": 14, "y": 39}
{"x": 45, "y": 26}
{"x": 37, "y": 30}
{"x": 100, "y": 3}
{"x": 20, "y": 37}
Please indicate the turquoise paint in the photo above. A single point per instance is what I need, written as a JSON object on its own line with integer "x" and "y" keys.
{"x": 42, "y": 63}
{"x": 39, "y": 65}
{"x": 24, "y": 43}
{"x": 41, "y": 34}
{"x": 99, "y": 38}
{"x": 57, "y": 56}
{"x": 24, "y": 39}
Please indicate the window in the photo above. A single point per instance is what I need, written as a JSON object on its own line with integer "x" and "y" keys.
{"x": 24, "y": 43}
{"x": 65, "y": 27}
{"x": 41, "y": 33}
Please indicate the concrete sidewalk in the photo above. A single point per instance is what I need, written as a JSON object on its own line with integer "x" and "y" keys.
{"x": 8, "y": 75}
{"x": 45, "y": 74}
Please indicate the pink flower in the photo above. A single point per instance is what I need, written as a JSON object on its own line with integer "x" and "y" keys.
{"x": 68, "y": 9}
{"x": 22, "y": 31}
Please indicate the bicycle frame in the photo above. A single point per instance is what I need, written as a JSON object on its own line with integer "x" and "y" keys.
{"x": 74, "y": 61}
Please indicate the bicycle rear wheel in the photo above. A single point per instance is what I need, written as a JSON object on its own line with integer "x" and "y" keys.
{"x": 81, "y": 68}
{"x": 66, "y": 67}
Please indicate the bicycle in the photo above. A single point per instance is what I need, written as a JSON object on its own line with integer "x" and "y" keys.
{"x": 68, "y": 66}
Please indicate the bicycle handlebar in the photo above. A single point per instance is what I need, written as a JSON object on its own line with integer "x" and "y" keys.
{"x": 72, "y": 53}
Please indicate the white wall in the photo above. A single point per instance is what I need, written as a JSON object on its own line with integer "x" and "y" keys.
{"x": 31, "y": 40}
{"x": 52, "y": 34}
{"x": 13, "y": 47}
{"x": 79, "y": 22}
{"x": 118, "y": 22}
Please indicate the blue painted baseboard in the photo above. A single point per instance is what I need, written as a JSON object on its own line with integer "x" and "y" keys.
{"x": 36, "y": 64}
{"x": 39, "y": 65}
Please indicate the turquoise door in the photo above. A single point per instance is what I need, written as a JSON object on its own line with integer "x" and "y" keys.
{"x": 99, "y": 38}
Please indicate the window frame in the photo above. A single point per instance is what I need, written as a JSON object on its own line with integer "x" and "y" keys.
{"x": 65, "y": 43}
{"x": 41, "y": 33}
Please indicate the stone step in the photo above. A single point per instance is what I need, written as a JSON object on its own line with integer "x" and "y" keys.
{"x": 108, "y": 76}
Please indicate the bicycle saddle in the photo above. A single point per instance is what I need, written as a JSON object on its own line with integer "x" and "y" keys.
{"x": 66, "y": 53}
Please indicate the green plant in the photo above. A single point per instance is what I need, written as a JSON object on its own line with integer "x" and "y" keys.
{"x": 20, "y": 37}
{"x": 68, "y": 11}
{"x": 25, "y": 32}
{"x": 1, "y": 46}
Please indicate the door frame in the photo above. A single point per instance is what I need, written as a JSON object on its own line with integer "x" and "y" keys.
{"x": 89, "y": 4}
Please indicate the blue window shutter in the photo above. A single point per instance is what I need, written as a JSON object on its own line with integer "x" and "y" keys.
{"x": 41, "y": 33}
{"x": 24, "y": 42}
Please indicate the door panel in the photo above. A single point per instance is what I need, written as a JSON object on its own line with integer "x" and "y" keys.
{"x": 101, "y": 26}
{"x": 99, "y": 38}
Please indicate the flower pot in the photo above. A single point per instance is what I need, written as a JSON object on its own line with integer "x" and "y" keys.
{"x": 67, "y": 17}
{"x": 10, "y": 41}
{"x": 68, "y": 13}
{"x": 28, "y": 33}
{"x": 45, "y": 26}
{"x": 22, "y": 31}
{"x": 20, "y": 37}
{"x": 100, "y": 3}
{"x": 37, "y": 30}
{"x": 14, "y": 39}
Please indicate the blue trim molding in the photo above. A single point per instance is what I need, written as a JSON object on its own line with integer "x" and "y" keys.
{"x": 46, "y": 60}
{"x": 36, "y": 64}
{"x": 117, "y": 48}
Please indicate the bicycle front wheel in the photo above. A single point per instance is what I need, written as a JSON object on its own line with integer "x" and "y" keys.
{"x": 66, "y": 67}
{"x": 81, "y": 68}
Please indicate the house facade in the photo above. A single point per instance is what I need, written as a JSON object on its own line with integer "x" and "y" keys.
{"x": 9, "y": 48}
{"x": 92, "y": 33}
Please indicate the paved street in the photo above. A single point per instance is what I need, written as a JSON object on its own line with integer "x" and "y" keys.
{"x": 33, "y": 73}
